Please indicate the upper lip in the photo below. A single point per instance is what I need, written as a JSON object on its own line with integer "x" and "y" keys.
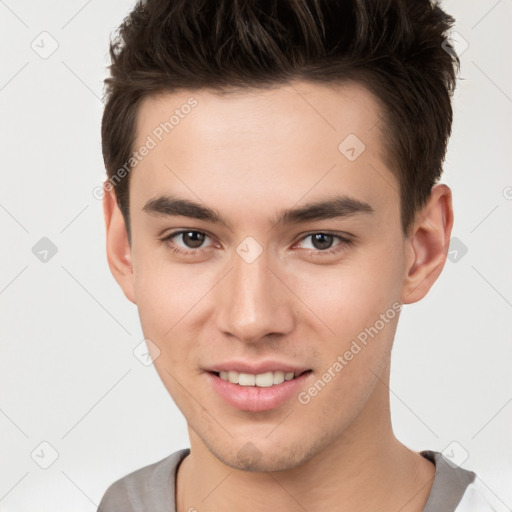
{"x": 257, "y": 368}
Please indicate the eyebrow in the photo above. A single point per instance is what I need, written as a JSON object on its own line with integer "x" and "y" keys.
{"x": 331, "y": 208}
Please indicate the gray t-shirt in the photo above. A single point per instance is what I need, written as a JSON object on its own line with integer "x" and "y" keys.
{"x": 153, "y": 488}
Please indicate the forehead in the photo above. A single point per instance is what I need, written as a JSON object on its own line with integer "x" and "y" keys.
{"x": 256, "y": 147}
{"x": 303, "y": 110}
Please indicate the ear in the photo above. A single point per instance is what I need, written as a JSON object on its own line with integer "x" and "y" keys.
{"x": 118, "y": 247}
{"x": 427, "y": 244}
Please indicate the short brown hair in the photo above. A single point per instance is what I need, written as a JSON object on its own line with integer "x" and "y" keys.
{"x": 397, "y": 49}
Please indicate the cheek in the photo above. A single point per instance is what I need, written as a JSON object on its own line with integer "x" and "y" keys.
{"x": 166, "y": 300}
{"x": 166, "y": 294}
{"x": 172, "y": 303}
{"x": 351, "y": 296}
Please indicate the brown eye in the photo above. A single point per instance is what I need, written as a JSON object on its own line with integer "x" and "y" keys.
{"x": 325, "y": 243}
{"x": 186, "y": 242}
{"x": 322, "y": 241}
{"x": 193, "y": 239}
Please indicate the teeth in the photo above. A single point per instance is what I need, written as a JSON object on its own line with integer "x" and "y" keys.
{"x": 232, "y": 377}
{"x": 246, "y": 379}
{"x": 278, "y": 377}
{"x": 262, "y": 380}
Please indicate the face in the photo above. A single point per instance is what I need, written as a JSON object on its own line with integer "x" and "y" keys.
{"x": 258, "y": 278}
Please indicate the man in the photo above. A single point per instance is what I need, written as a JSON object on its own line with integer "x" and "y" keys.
{"x": 272, "y": 202}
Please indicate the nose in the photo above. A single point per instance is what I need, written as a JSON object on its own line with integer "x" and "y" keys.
{"x": 255, "y": 301}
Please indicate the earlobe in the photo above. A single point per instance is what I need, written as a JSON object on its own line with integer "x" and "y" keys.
{"x": 119, "y": 255}
{"x": 428, "y": 244}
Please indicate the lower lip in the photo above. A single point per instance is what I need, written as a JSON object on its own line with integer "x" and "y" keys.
{"x": 254, "y": 398}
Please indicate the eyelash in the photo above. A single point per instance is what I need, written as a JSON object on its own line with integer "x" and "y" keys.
{"x": 343, "y": 242}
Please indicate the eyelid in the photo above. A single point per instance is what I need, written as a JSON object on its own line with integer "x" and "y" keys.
{"x": 338, "y": 234}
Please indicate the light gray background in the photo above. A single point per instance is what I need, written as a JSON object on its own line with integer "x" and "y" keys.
{"x": 68, "y": 373}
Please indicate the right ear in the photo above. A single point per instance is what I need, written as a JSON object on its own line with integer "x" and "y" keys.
{"x": 119, "y": 254}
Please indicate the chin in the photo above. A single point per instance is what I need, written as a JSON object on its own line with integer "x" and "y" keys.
{"x": 269, "y": 458}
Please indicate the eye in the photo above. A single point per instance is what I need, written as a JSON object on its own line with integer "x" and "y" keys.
{"x": 323, "y": 242}
{"x": 191, "y": 240}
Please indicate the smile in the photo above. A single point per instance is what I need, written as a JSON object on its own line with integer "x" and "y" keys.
{"x": 257, "y": 392}
{"x": 262, "y": 380}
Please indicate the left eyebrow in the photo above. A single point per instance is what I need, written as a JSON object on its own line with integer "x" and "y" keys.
{"x": 335, "y": 207}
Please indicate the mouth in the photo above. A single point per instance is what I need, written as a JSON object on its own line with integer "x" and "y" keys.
{"x": 257, "y": 392}
{"x": 261, "y": 380}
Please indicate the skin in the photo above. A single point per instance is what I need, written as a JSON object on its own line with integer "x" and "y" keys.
{"x": 249, "y": 154}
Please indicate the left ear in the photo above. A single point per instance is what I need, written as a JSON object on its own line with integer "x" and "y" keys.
{"x": 427, "y": 244}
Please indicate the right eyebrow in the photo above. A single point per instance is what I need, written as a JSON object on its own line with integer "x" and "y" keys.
{"x": 171, "y": 206}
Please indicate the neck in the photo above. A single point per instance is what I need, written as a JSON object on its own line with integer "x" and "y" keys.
{"x": 366, "y": 468}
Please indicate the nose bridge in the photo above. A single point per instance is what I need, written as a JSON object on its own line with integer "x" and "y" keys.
{"x": 255, "y": 300}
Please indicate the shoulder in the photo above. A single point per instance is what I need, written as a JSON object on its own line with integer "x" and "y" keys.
{"x": 148, "y": 488}
{"x": 456, "y": 489}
